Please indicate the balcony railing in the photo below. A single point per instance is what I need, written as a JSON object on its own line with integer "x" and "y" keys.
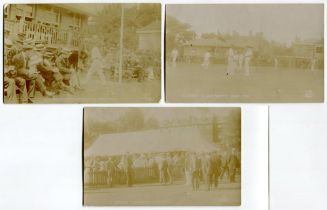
{"x": 48, "y": 34}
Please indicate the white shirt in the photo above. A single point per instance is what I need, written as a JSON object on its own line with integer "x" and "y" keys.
{"x": 174, "y": 53}
{"x": 95, "y": 53}
{"x": 248, "y": 53}
{"x": 207, "y": 55}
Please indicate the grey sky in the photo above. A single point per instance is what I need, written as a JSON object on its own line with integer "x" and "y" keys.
{"x": 162, "y": 114}
{"x": 279, "y": 22}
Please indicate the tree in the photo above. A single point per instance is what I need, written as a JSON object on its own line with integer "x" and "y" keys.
{"x": 209, "y": 35}
{"x": 132, "y": 120}
{"x": 136, "y": 16}
{"x": 177, "y": 33}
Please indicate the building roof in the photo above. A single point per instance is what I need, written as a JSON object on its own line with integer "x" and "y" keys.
{"x": 82, "y": 8}
{"x": 309, "y": 42}
{"x": 152, "y": 141}
{"x": 207, "y": 43}
{"x": 239, "y": 42}
{"x": 153, "y": 27}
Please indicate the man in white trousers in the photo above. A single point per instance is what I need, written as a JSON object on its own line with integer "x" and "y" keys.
{"x": 230, "y": 62}
{"x": 96, "y": 65}
{"x": 206, "y": 60}
{"x": 174, "y": 55}
{"x": 247, "y": 58}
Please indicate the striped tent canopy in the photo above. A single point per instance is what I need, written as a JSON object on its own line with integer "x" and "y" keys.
{"x": 196, "y": 139}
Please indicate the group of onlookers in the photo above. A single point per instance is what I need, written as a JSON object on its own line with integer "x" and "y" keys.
{"x": 31, "y": 66}
{"x": 166, "y": 168}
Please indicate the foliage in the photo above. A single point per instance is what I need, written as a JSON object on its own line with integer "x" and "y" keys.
{"x": 136, "y": 16}
{"x": 177, "y": 33}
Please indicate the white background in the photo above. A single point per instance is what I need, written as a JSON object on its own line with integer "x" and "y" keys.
{"x": 41, "y": 148}
{"x": 41, "y": 157}
{"x": 298, "y": 157}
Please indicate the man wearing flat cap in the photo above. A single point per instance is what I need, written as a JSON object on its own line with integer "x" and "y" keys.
{"x": 63, "y": 65}
{"x": 24, "y": 69}
{"x": 11, "y": 83}
{"x": 51, "y": 74}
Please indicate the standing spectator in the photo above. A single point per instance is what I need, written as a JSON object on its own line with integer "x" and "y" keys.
{"x": 188, "y": 169}
{"x": 205, "y": 168}
{"x": 128, "y": 168}
{"x": 196, "y": 171}
{"x": 110, "y": 171}
{"x": 224, "y": 166}
{"x": 88, "y": 178}
{"x": 214, "y": 170}
{"x": 96, "y": 171}
{"x": 160, "y": 161}
{"x": 232, "y": 165}
{"x": 169, "y": 161}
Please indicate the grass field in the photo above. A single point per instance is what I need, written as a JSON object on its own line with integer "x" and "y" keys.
{"x": 177, "y": 194}
{"x": 192, "y": 83}
{"x": 112, "y": 92}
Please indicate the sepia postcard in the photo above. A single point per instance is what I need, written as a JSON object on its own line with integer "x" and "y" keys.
{"x": 162, "y": 156}
{"x": 82, "y": 53}
{"x": 257, "y": 53}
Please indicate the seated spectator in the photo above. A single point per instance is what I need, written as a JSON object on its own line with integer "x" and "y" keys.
{"x": 51, "y": 74}
{"x": 63, "y": 65}
{"x": 11, "y": 83}
{"x": 25, "y": 63}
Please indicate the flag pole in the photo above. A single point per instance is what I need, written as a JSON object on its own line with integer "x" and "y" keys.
{"x": 121, "y": 44}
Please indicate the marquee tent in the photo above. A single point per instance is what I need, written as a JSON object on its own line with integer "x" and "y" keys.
{"x": 152, "y": 141}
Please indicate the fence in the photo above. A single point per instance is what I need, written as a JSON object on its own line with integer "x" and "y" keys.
{"x": 48, "y": 34}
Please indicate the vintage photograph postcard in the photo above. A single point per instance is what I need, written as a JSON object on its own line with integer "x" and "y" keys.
{"x": 162, "y": 156}
{"x": 82, "y": 53}
{"x": 259, "y": 53}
